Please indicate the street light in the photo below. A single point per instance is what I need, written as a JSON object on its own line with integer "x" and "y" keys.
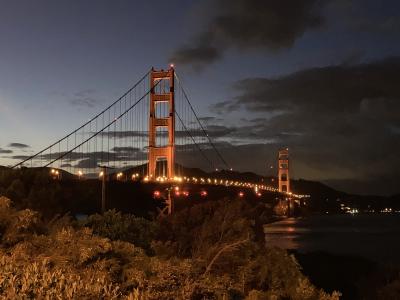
{"x": 103, "y": 176}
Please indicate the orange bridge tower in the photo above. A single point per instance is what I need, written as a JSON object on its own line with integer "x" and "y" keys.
{"x": 162, "y": 92}
{"x": 283, "y": 170}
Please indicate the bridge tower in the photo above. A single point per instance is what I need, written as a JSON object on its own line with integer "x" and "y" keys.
{"x": 158, "y": 96}
{"x": 283, "y": 170}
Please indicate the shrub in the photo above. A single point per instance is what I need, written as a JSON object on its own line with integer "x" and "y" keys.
{"x": 124, "y": 227}
{"x": 220, "y": 258}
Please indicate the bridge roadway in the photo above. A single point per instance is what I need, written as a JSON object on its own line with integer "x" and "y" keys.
{"x": 202, "y": 183}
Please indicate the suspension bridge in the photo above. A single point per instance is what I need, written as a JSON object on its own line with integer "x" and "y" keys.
{"x": 152, "y": 134}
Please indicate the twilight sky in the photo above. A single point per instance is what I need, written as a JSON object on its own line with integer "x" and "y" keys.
{"x": 321, "y": 77}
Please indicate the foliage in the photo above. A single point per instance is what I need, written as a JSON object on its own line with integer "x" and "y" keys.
{"x": 117, "y": 226}
{"x": 16, "y": 225}
{"x": 200, "y": 230}
{"x": 39, "y": 280}
{"x": 217, "y": 257}
{"x": 219, "y": 238}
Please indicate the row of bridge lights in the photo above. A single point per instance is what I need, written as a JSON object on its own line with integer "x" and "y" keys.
{"x": 225, "y": 182}
{"x": 203, "y": 193}
{"x": 201, "y": 180}
{"x": 178, "y": 192}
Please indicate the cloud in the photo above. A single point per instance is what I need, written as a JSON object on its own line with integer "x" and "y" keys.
{"x": 123, "y": 134}
{"x": 88, "y": 159}
{"x": 244, "y": 24}
{"x": 198, "y": 55}
{"x": 341, "y": 122}
{"x": 329, "y": 89}
{"x": 223, "y": 107}
{"x": 18, "y": 145}
{"x": 124, "y": 149}
{"x": 5, "y": 151}
{"x": 209, "y": 119}
{"x": 213, "y": 130}
{"x": 20, "y": 157}
{"x": 84, "y": 98}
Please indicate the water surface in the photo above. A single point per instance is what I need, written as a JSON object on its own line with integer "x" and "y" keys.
{"x": 374, "y": 236}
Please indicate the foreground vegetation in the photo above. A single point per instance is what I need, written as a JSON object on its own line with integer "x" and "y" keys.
{"x": 209, "y": 251}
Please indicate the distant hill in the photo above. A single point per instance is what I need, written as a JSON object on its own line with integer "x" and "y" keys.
{"x": 322, "y": 197}
{"x": 300, "y": 186}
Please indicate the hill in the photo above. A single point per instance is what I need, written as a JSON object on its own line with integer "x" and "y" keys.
{"x": 35, "y": 186}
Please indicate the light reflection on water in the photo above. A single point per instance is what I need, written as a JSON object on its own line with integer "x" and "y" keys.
{"x": 376, "y": 237}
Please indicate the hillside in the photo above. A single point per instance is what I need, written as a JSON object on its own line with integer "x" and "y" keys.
{"x": 67, "y": 195}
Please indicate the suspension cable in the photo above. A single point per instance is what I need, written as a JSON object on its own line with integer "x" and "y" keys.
{"x": 191, "y": 136}
{"x": 201, "y": 126}
{"x": 82, "y": 126}
{"x": 101, "y": 130}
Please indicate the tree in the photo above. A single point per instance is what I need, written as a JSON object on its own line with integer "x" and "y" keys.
{"x": 125, "y": 227}
{"x": 16, "y": 190}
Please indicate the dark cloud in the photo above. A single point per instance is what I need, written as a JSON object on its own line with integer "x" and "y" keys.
{"x": 209, "y": 119}
{"x": 20, "y": 157}
{"x": 115, "y": 154}
{"x": 18, "y": 145}
{"x": 370, "y": 89}
{"x": 377, "y": 24}
{"x": 245, "y": 24}
{"x": 218, "y": 130}
{"x": 124, "y": 134}
{"x": 5, "y": 151}
{"x": 213, "y": 130}
{"x": 199, "y": 55}
{"x": 223, "y": 107}
{"x": 341, "y": 121}
{"x": 125, "y": 149}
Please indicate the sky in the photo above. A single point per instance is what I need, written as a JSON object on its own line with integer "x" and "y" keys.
{"x": 319, "y": 77}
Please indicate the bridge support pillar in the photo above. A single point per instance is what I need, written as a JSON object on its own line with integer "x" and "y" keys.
{"x": 283, "y": 171}
{"x": 159, "y": 95}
